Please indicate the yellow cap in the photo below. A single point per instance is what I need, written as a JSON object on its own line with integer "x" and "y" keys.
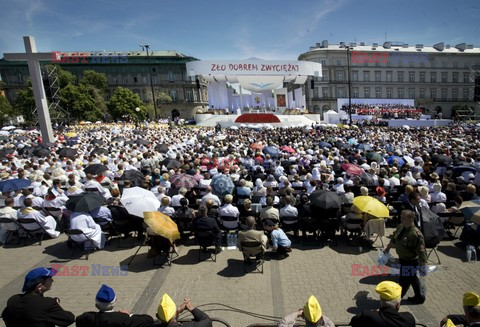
{"x": 312, "y": 310}
{"x": 389, "y": 290}
{"x": 166, "y": 308}
{"x": 449, "y": 323}
{"x": 471, "y": 299}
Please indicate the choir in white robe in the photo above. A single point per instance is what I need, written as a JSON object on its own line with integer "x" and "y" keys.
{"x": 47, "y": 222}
{"x": 85, "y": 222}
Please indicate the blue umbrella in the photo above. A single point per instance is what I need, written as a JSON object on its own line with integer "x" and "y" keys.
{"x": 352, "y": 141}
{"x": 272, "y": 151}
{"x": 391, "y": 159}
{"x": 14, "y": 184}
{"x": 222, "y": 185}
{"x": 325, "y": 145}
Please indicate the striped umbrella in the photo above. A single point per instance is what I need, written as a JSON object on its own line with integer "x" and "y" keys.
{"x": 183, "y": 180}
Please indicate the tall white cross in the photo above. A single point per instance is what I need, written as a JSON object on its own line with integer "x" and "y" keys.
{"x": 33, "y": 59}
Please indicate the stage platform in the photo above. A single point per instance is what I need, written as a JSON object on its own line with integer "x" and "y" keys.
{"x": 418, "y": 122}
{"x": 249, "y": 119}
{"x": 274, "y": 120}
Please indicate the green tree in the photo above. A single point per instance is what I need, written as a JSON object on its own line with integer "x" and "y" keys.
{"x": 6, "y": 109}
{"x": 80, "y": 102}
{"x": 95, "y": 79}
{"x": 163, "y": 98}
{"x": 25, "y": 102}
{"x": 123, "y": 103}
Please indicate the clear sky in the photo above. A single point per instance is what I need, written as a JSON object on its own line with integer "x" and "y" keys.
{"x": 239, "y": 29}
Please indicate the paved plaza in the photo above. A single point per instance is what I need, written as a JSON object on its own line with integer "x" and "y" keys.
{"x": 283, "y": 288}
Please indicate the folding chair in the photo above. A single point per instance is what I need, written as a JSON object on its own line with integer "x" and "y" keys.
{"x": 290, "y": 223}
{"x": 184, "y": 224}
{"x": 253, "y": 250}
{"x": 206, "y": 239}
{"x": 456, "y": 220}
{"x": 32, "y": 232}
{"x": 6, "y": 220}
{"x": 80, "y": 244}
{"x": 54, "y": 212}
{"x": 375, "y": 226}
{"x": 353, "y": 229}
{"x": 159, "y": 243}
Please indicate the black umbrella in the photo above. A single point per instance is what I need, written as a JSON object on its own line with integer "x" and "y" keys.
{"x": 118, "y": 138}
{"x": 97, "y": 142}
{"x": 95, "y": 169}
{"x": 161, "y": 148}
{"x": 367, "y": 179}
{"x": 130, "y": 142}
{"x": 141, "y": 141}
{"x": 442, "y": 159}
{"x": 98, "y": 150}
{"x": 134, "y": 176}
{"x": 460, "y": 169}
{"x": 28, "y": 150}
{"x": 85, "y": 202}
{"x": 325, "y": 199}
{"x": 172, "y": 164}
{"x": 41, "y": 151}
{"x": 67, "y": 152}
{"x": 6, "y": 152}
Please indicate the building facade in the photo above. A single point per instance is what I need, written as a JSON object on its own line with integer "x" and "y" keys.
{"x": 437, "y": 78}
{"x": 130, "y": 70}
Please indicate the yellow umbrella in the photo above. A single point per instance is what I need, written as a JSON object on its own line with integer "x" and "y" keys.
{"x": 162, "y": 225}
{"x": 71, "y": 134}
{"x": 371, "y": 206}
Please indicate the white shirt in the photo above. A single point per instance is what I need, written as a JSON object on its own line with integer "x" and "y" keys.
{"x": 229, "y": 210}
{"x": 288, "y": 211}
{"x": 176, "y": 200}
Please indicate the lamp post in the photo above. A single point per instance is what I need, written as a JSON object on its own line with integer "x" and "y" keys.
{"x": 349, "y": 85}
{"x": 137, "y": 109}
{"x": 147, "y": 46}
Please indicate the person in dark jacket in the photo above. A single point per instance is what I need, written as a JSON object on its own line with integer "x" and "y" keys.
{"x": 388, "y": 315}
{"x": 471, "y": 307}
{"x": 168, "y": 313}
{"x": 206, "y": 223}
{"x": 32, "y": 309}
{"x": 106, "y": 317}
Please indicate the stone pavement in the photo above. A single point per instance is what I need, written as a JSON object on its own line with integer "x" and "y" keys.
{"x": 216, "y": 287}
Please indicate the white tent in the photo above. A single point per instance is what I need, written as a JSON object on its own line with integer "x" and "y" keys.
{"x": 331, "y": 117}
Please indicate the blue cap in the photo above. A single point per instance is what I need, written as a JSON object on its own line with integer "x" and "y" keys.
{"x": 105, "y": 294}
{"x": 36, "y": 276}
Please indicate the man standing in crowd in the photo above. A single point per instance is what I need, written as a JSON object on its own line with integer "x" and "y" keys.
{"x": 410, "y": 247}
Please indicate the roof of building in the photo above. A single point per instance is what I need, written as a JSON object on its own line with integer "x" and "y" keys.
{"x": 390, "y": 46}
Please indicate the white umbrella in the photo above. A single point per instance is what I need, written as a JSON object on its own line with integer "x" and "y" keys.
{"x": 7, "y": 128}
{"x": 19, "y": 131}
{"x": 409, "y": 160}
{"x": 4, "y": 133}
{"x": 233, "y": 127}
{"x": 406, "y": 126}
{"x": 138, "y": 200}
{"x": 98, "y": 122}
{"x": 244, "y": 125}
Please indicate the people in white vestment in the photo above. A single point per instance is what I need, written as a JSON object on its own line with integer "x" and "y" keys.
{"x": 47, "y": 222}
{"x": 85, "y": 222}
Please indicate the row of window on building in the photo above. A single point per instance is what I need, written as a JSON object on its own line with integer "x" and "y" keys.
{"x": 399, "y": 63}
{"x": 411, "y": 93}
{"x": 401, "y": 77}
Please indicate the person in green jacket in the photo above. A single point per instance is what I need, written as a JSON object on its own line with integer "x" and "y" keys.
{"x": 410, "y": 246}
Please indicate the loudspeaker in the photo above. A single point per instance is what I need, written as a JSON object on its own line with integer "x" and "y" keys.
{"x": 312, "y": 84}
{"x": 476, "y": 93}
{"x": 197, "y": 81}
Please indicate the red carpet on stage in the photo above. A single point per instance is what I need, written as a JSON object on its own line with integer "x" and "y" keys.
{"x": 257, "y": 118}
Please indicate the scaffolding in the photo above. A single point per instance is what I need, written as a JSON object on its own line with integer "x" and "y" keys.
{"x": 51, "y": 84}
{"x": 471, "y": 113}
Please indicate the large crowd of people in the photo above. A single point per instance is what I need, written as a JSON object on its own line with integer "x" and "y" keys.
{"x": 273, "y": 174}
{"x": 384, "y": 110}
